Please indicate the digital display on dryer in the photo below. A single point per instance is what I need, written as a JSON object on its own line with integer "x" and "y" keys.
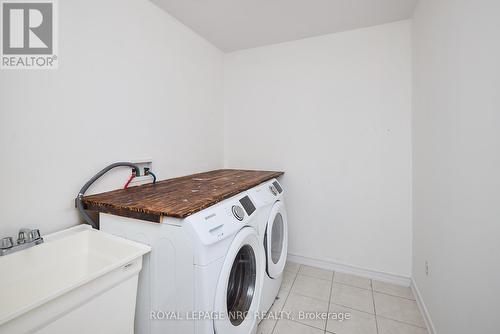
{"x": 247, "y": 204}
{"x": 278, "y": 187}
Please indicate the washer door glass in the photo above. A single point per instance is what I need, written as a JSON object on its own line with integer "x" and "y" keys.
{"x": 241, "y": 285}
{"x": 276, "y": 240}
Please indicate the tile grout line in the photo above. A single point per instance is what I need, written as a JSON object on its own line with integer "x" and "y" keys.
{"x": 303, "y": 324}
{"x": 315, "y": 298}
{"x": 290, "y": 291}
{"x": 352, "y": 308}
{"x": 288, "y": 294}
{"x": 353, "y": 286}
{"x": 312, "y": 275}
{"x": 315, "y": 277}
{"x": 308, "y": 276}
{"x": 402, "y": 322}
{"x": 374, "y": 308}
{"x": 329, "y": 301}
{"x": 396, "y": 320}
{"x": 392, "y": 295}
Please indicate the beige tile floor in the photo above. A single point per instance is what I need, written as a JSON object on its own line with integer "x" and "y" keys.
{"x": 374, "y": 307}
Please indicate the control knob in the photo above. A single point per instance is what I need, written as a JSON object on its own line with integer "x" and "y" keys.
{"x": 6, "y": 243}
{"x": 273, "y": 190}
{"x": 238, "y": 212}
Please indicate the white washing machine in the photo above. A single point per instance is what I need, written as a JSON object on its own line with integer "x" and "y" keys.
{"x": 204, "y": 273}
{"x": 273, "y": 235}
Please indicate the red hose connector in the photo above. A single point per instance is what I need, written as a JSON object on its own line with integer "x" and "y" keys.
{"x": 130, "y": 179}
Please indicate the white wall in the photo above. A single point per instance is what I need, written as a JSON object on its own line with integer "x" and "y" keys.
{"x": 132, "y": 83}
{"x": 456, "y": 114}
{"x": 334, "y": 113}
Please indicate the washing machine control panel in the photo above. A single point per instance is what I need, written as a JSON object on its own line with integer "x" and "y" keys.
{"x": 248, "y": 205}
{"x": 245, "y": 206}
{"x": 223, "y": 219}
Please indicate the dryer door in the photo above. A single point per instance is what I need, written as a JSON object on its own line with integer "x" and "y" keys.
{"x": 239, "y": 287}
{"x": 276, "y": 240}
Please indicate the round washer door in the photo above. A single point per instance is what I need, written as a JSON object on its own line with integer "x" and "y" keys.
{"x": 239, "y": 287}
{"x": 276, "y": 240}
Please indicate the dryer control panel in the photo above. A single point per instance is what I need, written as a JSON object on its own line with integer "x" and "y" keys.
{"x": 266, "y": 193}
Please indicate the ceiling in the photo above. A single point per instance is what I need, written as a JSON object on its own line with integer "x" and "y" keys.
{"x": 241, "y": 24}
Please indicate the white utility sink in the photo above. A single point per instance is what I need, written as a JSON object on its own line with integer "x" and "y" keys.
{"x": 78, "y": 281}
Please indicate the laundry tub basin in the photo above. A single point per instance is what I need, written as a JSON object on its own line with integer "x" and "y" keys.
{"x": 78, "y": 281}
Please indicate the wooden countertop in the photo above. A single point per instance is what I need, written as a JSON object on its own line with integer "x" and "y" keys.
{"x": 178, "y": 197}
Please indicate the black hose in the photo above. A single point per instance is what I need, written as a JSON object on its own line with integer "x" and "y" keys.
{"x": 79, "y": 198}
{"x": 153, "y": 175}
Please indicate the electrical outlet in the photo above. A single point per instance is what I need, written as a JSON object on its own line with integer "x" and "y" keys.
{"x": 426, "y": 268}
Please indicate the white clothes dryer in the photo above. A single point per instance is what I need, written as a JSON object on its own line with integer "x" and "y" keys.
{"x": 273, "y": 236}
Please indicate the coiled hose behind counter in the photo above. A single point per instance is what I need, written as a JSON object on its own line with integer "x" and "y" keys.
{"x": 79, "y": 198}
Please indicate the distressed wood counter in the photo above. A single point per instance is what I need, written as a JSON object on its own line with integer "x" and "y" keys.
{"x": 178, "y": 197}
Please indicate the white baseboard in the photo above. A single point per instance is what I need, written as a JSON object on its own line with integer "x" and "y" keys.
{"x": 348, "y": 269}
{"x": 423, "y": 309}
